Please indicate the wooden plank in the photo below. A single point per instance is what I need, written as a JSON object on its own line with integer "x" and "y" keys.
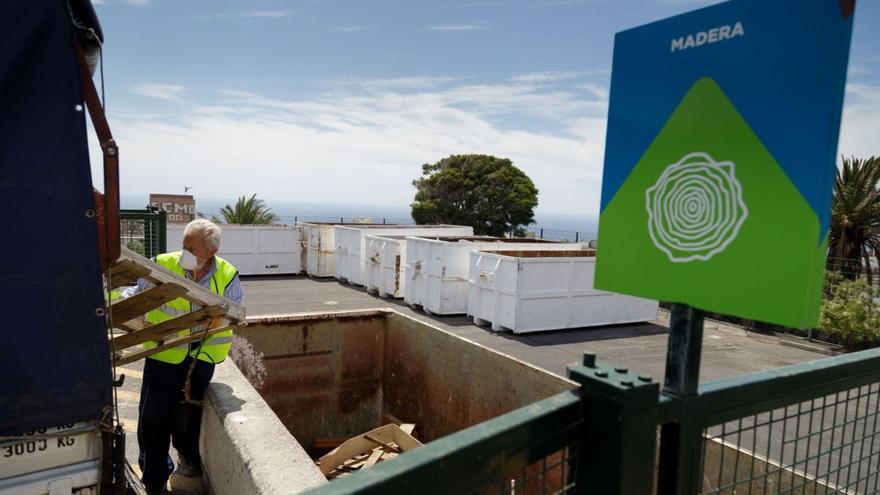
{"x": 126, "y": 272}
{"x": 195, "y": 292}
{"x": 160, "y": 330}
{"x": 408, "y": 428}
{"x": 374, "y": 458}
{"x": 132, "y": 325}
{"x": 168, "y": 344}
{"x": 123, "y": 310}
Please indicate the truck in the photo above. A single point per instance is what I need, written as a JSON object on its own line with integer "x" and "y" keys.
{"x": 58, "y": 434}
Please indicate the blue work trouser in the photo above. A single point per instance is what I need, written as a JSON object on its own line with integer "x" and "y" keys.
{"x": 164, "y": 418}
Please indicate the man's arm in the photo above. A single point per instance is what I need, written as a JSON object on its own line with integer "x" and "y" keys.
{"x": 141, "y": 286}
{"x": 233, "y": 291}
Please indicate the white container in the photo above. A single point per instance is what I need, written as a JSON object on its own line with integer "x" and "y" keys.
{"x": 533, "y": 291}
{"x": 385, "y": 265}
{"x": 254, "y": 249}
{"x": 437, "y": 268}
{"x": 51, "y": 459}
{"x": 351, "y": 244}
{"x": 319, "y": 248}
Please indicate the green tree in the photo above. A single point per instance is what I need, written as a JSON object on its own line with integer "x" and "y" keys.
{"x": 851, "y": 314}
{"x": 855, "y": 217}
{"x": 247, "y": 211}
{"x": 488, "y": 193}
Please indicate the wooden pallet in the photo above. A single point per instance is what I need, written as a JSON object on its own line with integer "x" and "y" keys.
{"x": 218, "y": 313}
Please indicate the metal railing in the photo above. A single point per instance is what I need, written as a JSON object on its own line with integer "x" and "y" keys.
{"x": 143, "y": 231}
{"x": 807, "y": 428}
{"x": 823, "y": 445}
{"x": 855, "y": 269}
{"x": 804, "y": 429}
{"x": 293, "y": 220}
{"x": 561, "y": 235}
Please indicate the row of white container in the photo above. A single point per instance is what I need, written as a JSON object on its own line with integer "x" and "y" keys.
{"x": 448, "y": 274}
{"x": 318, "y": 249}
{"x": 351, "y": 244}
{"x": 508, "y": 283}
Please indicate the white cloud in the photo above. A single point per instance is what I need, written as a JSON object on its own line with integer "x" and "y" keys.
{"x": 349, "y": 29}
{"x": 412, "y": 82}
{"x": 258, "y": 14}
{"x": 137, "y": 3}
{"x": 455, "y": 27}
{"x": 366, "y": 147}
{"x": 170, "y": 92}
{"x": 542, "y": 77}
{"x": 596, "y": 90}
{"x": 483, "y": 4}
{"x": 859, "y": 70}
{"x": 267, "y": 13}
{"x": 860, "y": 126}
{"x": 566, "y": 3}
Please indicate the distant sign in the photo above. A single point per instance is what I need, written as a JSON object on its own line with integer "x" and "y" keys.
{"x": 720, "y": 157}
{"x": 180, "y": 208}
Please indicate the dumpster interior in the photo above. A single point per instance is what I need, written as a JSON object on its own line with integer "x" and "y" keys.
{"x": 336, "y": 376}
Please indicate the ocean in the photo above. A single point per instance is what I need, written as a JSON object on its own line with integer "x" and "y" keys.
{"x": 586, "y": 223}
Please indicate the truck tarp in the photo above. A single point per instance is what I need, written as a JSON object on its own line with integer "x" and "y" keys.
{"x": 54, "y": 357}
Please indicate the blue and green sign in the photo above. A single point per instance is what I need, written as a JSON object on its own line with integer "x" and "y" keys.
{"x": 720, "y": 157}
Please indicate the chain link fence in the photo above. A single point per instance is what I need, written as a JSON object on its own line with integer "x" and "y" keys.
{"x": 563, "y": 235}
{"x": 823, "y": 445}
{"x": 143, "y": 231}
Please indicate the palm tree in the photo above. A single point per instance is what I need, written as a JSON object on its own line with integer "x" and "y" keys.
{"x": 247, "y": 211}
{"x": 855, "y": 217}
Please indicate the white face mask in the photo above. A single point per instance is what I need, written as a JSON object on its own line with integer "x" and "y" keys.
{"x": 188, "y": 261}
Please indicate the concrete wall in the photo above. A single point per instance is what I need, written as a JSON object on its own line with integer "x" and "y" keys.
{"x": 244, "y": 447}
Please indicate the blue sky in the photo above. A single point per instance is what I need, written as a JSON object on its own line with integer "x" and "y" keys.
{"x": 341, "y": 101}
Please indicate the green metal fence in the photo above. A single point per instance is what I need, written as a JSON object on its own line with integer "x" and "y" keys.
{"x": 808, "y": 428}
{"x": 143, "y": 231}
{"x": 530, "y": 450}
{"x": 805, "y": 429}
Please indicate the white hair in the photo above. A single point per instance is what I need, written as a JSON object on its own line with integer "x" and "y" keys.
{"x": 209, "y": 230}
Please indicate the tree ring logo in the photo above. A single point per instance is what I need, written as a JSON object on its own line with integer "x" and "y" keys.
{"x": 695, "y": 209}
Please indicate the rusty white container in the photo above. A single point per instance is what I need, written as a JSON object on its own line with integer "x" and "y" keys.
{"x": 534, "y": 291}
{"x": 437, "y": 268}
{"x": 319, "y": 248}
{"x": 351, "y": 244}
{"x": 253, "y": 249}
{"x": 386, "y": 267}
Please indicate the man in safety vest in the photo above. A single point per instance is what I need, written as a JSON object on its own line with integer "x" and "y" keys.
{"x": 164, "y": 416}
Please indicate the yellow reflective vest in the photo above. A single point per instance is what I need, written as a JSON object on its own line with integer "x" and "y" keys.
{"x": 216, "y": 347}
